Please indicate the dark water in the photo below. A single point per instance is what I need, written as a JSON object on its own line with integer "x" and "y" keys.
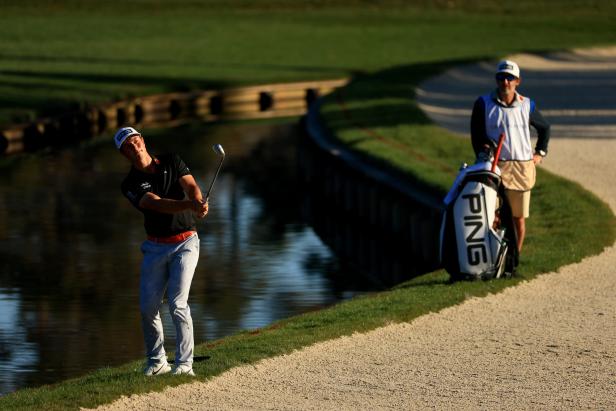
{"x": 69, "y": 251}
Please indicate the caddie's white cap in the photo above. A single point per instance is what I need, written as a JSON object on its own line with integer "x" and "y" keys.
{"x": 508, "y": 66}
{"x": 122, "y": 134}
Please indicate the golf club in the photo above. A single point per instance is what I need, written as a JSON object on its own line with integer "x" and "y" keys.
{"x": 501, "y": 140}
{"x": 221, "y": 153}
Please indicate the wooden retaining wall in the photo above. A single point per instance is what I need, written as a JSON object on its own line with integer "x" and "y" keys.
{"x": 169, "y": 109}
{"x": 384, "y": 226}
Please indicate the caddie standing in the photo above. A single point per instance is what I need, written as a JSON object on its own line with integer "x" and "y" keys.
{"x": 506, "y": 111}
{"x": 163, "y": 189}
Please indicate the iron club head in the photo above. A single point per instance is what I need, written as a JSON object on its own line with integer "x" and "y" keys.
{"x": 218, "y": 150}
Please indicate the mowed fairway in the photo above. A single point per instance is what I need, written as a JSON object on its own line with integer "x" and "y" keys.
{"x": 57, "y": 54}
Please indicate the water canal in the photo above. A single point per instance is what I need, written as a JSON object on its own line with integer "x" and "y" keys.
{"x": 69, "y": 251}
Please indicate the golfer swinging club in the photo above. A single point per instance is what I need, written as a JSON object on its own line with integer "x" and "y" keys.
{"x": 163, "y": 189}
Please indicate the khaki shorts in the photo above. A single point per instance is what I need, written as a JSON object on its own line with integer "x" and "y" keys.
{"x": 519, "y": 202}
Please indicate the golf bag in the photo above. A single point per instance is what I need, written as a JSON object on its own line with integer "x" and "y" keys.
{"x": 477, "y": 238}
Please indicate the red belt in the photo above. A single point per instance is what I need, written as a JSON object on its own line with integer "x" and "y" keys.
{"x": 178, "y": 238}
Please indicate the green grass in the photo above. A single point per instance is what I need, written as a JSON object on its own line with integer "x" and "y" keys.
{"x": 55, "y": 54}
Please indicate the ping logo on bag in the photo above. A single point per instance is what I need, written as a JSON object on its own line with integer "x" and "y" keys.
{"x": 476, "y": 251}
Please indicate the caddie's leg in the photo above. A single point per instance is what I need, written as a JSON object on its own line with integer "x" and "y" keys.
{"x": 181, "y": 271}
{"x": 520, "y": 210}
{"x": 151, "y": 290}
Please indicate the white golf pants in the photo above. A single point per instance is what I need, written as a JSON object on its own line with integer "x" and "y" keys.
{"x": 168, "y": 267}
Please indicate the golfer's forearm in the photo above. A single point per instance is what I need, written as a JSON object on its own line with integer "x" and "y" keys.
{"x": 165, "y": 205}
{"x": 194, "y": 193}
{"x": 190, "y": 187}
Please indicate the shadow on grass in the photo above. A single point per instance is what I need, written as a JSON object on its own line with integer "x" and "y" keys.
{"x": 386, "y": 98}
{"x": 377, "y": 117}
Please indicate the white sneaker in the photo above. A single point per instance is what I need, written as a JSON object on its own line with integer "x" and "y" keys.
{"x": 157, "y": 369}
{"x": 184, "y": 370}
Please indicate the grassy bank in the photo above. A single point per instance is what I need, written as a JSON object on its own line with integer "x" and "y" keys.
{"x": 62, "y": 54}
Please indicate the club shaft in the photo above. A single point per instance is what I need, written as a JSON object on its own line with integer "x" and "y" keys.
{"x": 501, "y": 140}
{"x": 209, "y": 190}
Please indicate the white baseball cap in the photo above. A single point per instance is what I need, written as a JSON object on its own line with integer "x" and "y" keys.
{"x": 122, "y": 134}
{"x": 508, "y": 66}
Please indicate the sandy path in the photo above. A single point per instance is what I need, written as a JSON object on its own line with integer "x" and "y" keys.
{"x": 546, "y": 344}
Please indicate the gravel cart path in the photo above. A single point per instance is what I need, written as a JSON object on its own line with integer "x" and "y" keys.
{"x": 549, "y": 343}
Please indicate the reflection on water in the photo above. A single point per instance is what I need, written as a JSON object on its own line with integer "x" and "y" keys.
{"x": 69, "y": 251}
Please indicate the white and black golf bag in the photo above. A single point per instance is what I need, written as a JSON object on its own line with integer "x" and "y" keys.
{"x": 472, "y": 246}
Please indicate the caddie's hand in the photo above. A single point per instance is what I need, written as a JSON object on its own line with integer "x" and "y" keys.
{"x": 537, "y": 159}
